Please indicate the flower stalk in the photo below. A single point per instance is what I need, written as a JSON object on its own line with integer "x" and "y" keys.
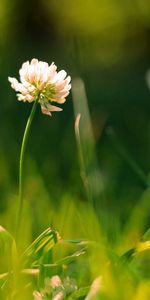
{"x": 39, "y": 83}
{"x": 21, "y": 162}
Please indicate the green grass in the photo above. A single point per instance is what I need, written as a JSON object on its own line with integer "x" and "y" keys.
{"x": 76, "y": 248}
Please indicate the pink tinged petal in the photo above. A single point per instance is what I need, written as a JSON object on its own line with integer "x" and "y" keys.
{"x": 60, "y": 97}
{"x": 59, "y": 100}
{"x": 39, "y": 72}
{"x": 14, "y": 82}
{"x": 49, "y": 108}
{"x": 61, "y": 94}
{"x": 26, "y": 84}
{"x": 69, "y": 87}
{"x": 34, "y": 61}
{"x": 53, "y": 108}
{"x": 63, "y": 91}
{"x": 21, "y": 97}
{"x": 24, "y": 98}
{"x": 61, "y": 75}
{"x": 52, "y": 68}
{"x": 31, "y": 72}
{"x": 31, "y": 88}
{"x": 41, "y": 86}
{"x": 39, "y": 69}
{"x": 17, "y": 86}
{"x": 43, "y": 65}
{"x": 51, "y": 73}
{"x": 60, "y": 85}
{"x": 30, "y": 98}
{"x": 25, "y": 65}
{"x": 44, "y": 73}
{"x": 68, "y": 79}
{"x": 45, "y": 111}
{"x": 24, "y": 71}
{"x": 63, "y": 85}
{"x": 24, "y": 74}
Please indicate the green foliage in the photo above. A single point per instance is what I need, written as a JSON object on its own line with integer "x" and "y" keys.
{"x": 97, "y": 241}
{"x": 81, "y": 260}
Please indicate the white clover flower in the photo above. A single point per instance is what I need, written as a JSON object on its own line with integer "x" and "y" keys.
{"x": 38, "y": 80}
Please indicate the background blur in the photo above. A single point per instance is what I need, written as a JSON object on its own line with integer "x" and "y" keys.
{"x": 107, "y": 44}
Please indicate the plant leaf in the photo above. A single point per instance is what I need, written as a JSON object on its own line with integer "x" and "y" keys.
{"x": 41, "y": 245}
{"x": 70, "y": 258}
{"x": 82, "y": 292}
{"x": 146, "y": 235}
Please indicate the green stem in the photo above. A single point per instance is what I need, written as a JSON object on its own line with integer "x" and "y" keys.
{"x": 21, "y": 161}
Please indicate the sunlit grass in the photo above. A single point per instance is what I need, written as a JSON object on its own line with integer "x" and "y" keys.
{"x": 75, "y": 248}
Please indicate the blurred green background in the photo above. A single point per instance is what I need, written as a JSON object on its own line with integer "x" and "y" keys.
{"x": 107, "y": 44}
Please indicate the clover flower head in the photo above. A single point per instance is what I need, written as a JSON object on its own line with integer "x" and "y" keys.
{"x": 56, "y": 289}
{"x": 41, "y": 81}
